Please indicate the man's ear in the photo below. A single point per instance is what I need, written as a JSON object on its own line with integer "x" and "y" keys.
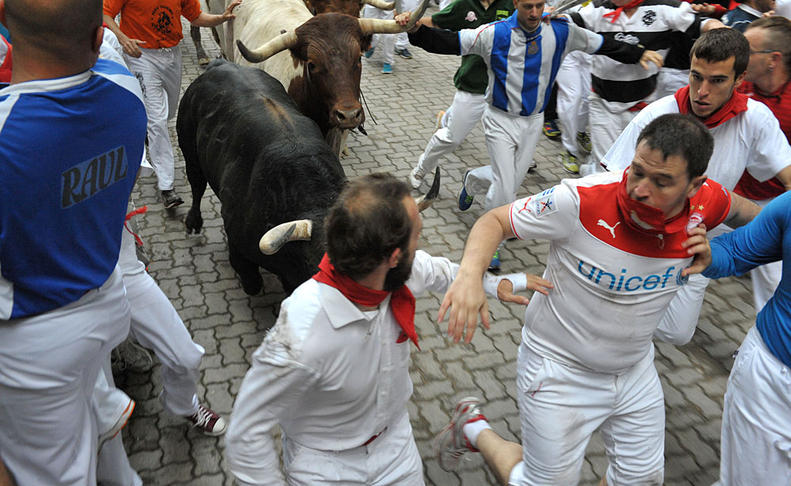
{"x": 696, "y": 184}
{"x": 98, "y": 36}
{"x": 739, "y": 80}
{"x": 395, "y": 257}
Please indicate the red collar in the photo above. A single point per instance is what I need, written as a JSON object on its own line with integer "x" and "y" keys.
{"x": 617, "y": 12}
{"x": 734, "y": 106}
{"x": 402, "y": 302}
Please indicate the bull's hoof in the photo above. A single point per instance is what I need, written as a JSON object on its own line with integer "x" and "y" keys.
{"x": 253, "y": 287}
{"x": 193, "y": 222}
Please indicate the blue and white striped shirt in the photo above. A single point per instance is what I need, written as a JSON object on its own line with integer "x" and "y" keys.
{"x": 523, "y": 65}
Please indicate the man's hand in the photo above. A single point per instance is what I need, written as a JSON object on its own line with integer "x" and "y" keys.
{"x": 704, "y": 9}
{"x": 131, "y": 46}
{"x": 651, "y": 57}
{"x": 228, "y": 14}
{"x": 505, "y": 290}
{"x": 466, "y": 300}
{"x": 697, "y": 244}
{"x": 403, "y": 18}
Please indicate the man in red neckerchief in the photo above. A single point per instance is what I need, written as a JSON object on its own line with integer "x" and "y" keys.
{"x": 333, "y": 372}
{"x": 767, "y": 80}
{"x": 620, "y": 247}
{"x": 747, "y": 137}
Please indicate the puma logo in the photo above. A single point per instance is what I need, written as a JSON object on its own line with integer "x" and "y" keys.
{"x": 610, "y": 228}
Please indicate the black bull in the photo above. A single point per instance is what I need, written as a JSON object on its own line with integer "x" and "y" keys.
{"x": 267, "y": 163}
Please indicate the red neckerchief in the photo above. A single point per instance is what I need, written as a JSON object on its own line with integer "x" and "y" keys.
{"x": 402, "y": 302}
{"x": 643, "y": 217}
{"x": 734, "y": 106}
{"x": 6, "y": 66}
{"x": 617, "y": 12}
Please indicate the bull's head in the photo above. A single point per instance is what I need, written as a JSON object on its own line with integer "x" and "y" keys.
{"x": 301, "y": 230}
{"x": 329, "y": 48}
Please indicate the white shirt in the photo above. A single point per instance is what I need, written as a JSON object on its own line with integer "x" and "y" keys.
{"x": 612, "y": 282}
{"x": 330, "y": 374}
{"x": 750, "y": 141}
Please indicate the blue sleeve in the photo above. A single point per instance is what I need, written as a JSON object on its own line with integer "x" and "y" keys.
{"x": 757, "y": 243}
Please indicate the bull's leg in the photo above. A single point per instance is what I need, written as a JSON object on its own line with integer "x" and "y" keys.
{"x": 203, "y": 59}
{"x": 248, "y": 272}
{"x": 194, "y": 220}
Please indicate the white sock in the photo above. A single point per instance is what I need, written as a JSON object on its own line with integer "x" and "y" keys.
{"x": 473, "y": 429}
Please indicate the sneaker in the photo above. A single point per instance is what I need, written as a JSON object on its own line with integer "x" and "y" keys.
{"x": 465, "y": 200}
{"x": 404, "y": 53}
{"x": 451, "y": 443}
{"x": 387, "y": 68}
{"x": 440, "y": 116}
{"x": 369, "y": 52}
{"x": 119, "y": 424}
{"x": 494, "y": 265}
{"x": 570, "y": 163}
{"x": 171, "y": 199}
{"x": 551, "y": 129}
{"x": 416, "y": 177}
{"x": 208, "y": 421}
{"x": 584, "y": 142}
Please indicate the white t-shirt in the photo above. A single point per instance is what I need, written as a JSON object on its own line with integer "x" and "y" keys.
{"x": 750, "y": 141}
{"x": 612, "y": 281}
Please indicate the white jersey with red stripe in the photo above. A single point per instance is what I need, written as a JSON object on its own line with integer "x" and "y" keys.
{"x": 612, "y": 281}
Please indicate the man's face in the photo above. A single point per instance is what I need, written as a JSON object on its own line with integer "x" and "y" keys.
{"x": 529, "y": 13}
{"x": 658, "y": 182}
{"x": 759, "y": 61}
{"x": 398, "y": 275}
{"x": 711, "y": 85}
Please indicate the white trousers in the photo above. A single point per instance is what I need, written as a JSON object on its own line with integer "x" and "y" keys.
{"x": 574, "y": 86}
{"x": 48, "y": 369}
{"x": 391, "y": 459}
{"x": 159, "y": 73}
{"x": 402, "y": 39}
{"x": 756, "y": 423}
{"x": 605, "y": 126}
{"x": 461, "y": 117}
{"x": 511, "y": 141}
{"x": 384, "y": 43}
{"x": 560, "y": 407}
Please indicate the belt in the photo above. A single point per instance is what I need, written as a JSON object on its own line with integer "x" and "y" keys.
{"x": 374, "y": 437}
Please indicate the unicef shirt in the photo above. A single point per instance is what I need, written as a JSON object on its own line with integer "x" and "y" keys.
{"x": 69, "y": 153}
{"x": 612, "y": 282}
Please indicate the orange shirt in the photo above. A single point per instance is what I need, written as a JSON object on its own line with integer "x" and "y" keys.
{"x": 158, "y": 22}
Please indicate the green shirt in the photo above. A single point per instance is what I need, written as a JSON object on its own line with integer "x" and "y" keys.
{"x": 469, "y": 14}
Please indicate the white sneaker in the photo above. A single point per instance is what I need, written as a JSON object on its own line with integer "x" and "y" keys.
{"x": 416, "y": 177}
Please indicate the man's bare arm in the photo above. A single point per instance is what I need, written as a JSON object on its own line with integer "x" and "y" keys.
{"x": 742, "y": 211}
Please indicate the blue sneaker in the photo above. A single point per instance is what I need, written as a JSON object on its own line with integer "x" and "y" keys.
{"x": 465, "y": 200}
{"x": 387, "y": 68}
{"x": 494, "y": 265}
{"x": 369, "y": 52}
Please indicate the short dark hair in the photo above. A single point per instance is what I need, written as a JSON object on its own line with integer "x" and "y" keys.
{"x": 57, "y": 26}
{"x": 367, "y": 223}
{"x": 722, "y": 44}
{"x": 682, "y": 135}
{"x": 778, "y": 36}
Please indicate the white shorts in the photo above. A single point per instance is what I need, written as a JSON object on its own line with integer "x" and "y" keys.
{"x": 756, "y": 420}
{"x": 560, "y": 407}
{"x": 391, "y": 459}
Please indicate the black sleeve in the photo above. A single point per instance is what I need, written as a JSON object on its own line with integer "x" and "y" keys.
{"x": 577, "y": 19}
{"x": 437, "y": 41}
{"x": 620, "y": 51}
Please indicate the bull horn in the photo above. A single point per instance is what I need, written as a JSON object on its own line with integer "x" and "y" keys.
{"x": 380, "y": 4}
{"x": 424, "y": 201}
{"x": 279, "y": 43}
{"x": 281, "y": 234}
{"x": 381, "y": 26}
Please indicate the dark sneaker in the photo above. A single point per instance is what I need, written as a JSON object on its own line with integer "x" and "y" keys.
{"x": 465, "y": 200}
{"x": 494, "y": 265}
{"x": 551, "y": 129}
{"x": 451, "y": 444}
{"x": 404, "y": 53}
{"x": 584, "y": 142}
{"x": 369, "y": 52}
{"x": 171, "y": 199}
{"x": 208, "y": 421}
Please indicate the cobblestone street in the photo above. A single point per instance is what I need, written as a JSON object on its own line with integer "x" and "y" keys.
{"x": 401, "y": 107}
